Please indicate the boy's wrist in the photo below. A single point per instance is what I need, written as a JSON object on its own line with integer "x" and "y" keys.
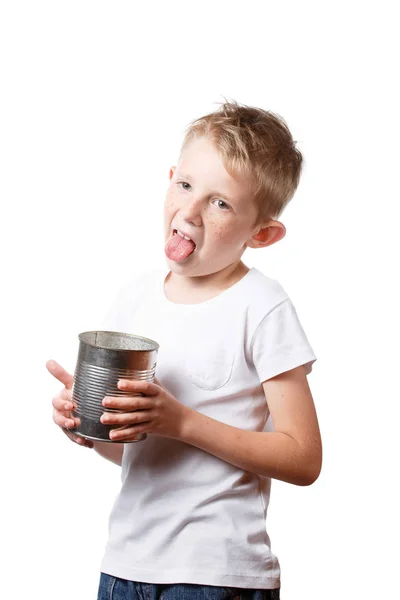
{"x": 189, "y": 420}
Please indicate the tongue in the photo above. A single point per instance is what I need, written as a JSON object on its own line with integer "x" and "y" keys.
{"x": 178, "y": 248}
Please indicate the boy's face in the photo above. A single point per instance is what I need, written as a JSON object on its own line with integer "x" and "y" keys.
{"x": 207, "y": 204}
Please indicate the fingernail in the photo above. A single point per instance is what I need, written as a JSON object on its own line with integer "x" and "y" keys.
{"x": 66, "y": 406}
{"x": 106, "y": 401}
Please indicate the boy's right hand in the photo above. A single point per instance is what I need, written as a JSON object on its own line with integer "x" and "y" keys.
{"x": 63, "y": 404}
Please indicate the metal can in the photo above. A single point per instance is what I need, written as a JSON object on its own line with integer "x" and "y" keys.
{"x": 104, "y": 357}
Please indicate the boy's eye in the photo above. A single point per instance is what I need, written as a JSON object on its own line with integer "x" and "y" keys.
{"x": 224, "y": 203}
{"x": 186, "y": 186}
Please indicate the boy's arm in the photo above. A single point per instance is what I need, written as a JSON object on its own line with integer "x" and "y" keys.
{"x": 112, "y": 452}
{"x": 292, "y": 452}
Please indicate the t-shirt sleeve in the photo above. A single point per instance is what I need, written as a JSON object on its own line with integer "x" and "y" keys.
{"x": 280, "y": 343}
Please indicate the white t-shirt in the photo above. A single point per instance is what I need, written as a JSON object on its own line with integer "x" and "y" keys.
{"x": 183, "y": 515}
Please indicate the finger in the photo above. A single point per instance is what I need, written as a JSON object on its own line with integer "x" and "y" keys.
{"x": 63, "y": 402}
{"x": 128, "y": 433}
{"x": 143, "y": 387}
{"x": 127, "y": 403}
{"x": 73, "y": 437}
{"x": 59, "y": 418}
{"x": 129, "y": 418}
{"x": 63, "y": 420}
{"x": 66, "y": 395}
{"x": 60, "y": 373}
{"x": 79, "y": 440}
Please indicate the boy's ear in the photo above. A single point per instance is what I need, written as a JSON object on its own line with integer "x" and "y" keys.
{"x": 171, "y": 172}
{"x": 268, "y": 234}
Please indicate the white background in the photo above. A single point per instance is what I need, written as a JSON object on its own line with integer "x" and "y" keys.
{"x": 94, "y": 98}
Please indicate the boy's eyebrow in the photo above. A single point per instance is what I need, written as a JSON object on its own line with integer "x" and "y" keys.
{"x": 183, "y": 175}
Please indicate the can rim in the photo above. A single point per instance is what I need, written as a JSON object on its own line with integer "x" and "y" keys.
{"x": 119, "y": 334}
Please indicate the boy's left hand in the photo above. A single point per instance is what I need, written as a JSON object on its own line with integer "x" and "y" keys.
{"x": 157, "y": 412}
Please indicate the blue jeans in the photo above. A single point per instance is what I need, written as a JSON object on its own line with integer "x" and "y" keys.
{"x": 113, "y": 588}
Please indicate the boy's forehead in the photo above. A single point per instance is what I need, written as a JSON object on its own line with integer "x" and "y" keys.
{"x": 200, "y": 148}
{"x": 201, "y": 159}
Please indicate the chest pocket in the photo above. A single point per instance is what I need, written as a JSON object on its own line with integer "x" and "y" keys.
{"x": 208, "y": 370}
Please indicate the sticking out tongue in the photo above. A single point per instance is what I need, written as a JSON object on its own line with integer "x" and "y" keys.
{"x": 178, "y": 248}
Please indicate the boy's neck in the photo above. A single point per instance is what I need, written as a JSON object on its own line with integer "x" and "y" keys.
{"x": 193, "y": 290}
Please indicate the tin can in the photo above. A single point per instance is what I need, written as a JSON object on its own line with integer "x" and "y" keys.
{"x": 104, "y": 357}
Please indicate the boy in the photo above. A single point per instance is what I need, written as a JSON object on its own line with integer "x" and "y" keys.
{"x": 189, "y": 522}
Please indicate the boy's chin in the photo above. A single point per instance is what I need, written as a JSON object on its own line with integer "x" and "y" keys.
{"x": 177, "y": 263}
{"x": 185, "y": 267}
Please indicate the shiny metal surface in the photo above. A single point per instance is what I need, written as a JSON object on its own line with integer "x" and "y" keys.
{"x": 104, "y": 357}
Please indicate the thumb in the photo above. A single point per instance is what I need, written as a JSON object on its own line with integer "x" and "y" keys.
{"x": 158, "y": 382}
{"x": 60, "y": 373}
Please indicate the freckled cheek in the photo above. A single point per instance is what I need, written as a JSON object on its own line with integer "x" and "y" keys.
{"x": 169, "y": 207}
{"x": 222, "y": 234}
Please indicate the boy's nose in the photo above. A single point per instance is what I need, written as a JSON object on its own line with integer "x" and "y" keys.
{"x": 191, "y": 213}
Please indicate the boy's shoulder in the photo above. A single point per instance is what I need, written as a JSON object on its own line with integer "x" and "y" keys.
{"x": 262, "y": 292}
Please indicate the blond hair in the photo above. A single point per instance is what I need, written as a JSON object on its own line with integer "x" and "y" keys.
{"x": 258, "y": 145}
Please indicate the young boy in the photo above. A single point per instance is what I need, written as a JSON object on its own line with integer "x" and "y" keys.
{"x": 189, "y": 522}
